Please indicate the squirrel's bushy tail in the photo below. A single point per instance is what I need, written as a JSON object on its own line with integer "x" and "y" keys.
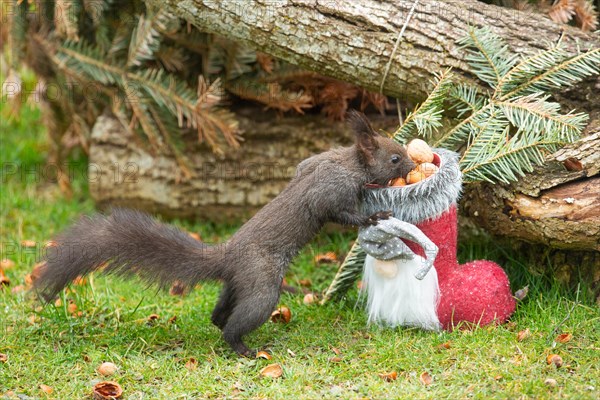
{"x": 126, "y": 242}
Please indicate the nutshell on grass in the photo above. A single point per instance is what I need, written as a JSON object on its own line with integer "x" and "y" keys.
{"x": 107, "y": 390}
{"x": 282, "y": 315}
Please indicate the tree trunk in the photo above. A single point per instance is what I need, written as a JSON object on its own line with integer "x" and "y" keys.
{"x": 555, "y": 206}
{"x": 353, "y": 40}
{"x": 124, "y": 173}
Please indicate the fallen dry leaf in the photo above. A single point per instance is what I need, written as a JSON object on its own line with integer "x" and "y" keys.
{"x": 107, "y": 390}
{"x": 6, "y": 264}
{"x": 445, "y": 345}
{"x": 389, "y": 376}
{"x": 522, "y": 335}
{"x": 50, "y": 243}
{"x": 282, "y": 314}
{"x": 79, "y": 281}
{"x": 554, "y": 359}
{"x": 28, "y": 243}
{"x": 426, "y": 379}
{"x": 107, "y": 369}
{"x": 291, "y": 353}
{"x": 326, "y": 258}
{"x": 71, "y": 307}
{"x": 173, "y": 319}
{"x": 336, "y": 359}
{"x": 177, "y": 289}
{"x": 336, "y": 350}
{"x": 564, "y": 337}
{"x": 4, "y": 281}
{"x": 35, "y": 274}
{"x": 263, "y": 354}
{"x": 191, "y": 364}
{"x": 305, "y": 282}
{"x": 46, "y": 389}
{"x": 152, "y": 318}
{"x": 272, "y": 371}
{"x": 3, "y": 358}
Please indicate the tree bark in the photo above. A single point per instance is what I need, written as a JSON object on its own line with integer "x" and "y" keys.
{"x": 353, "y": 40}
{"x": 555, "y": 206}
{"x": 123, "y": 172}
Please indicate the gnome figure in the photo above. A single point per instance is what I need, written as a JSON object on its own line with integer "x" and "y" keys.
{"x": 411, "y": 273}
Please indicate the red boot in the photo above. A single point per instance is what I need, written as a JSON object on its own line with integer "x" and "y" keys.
{"x": 477, "y": 292}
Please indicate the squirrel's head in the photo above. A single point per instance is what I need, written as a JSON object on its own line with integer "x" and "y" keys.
{"x": 383, "y": 158}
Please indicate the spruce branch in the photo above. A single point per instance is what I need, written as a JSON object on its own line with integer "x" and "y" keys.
{"x": 495, "y": 156}
{"x": 427, "y": 116}
{"x": 347, "y": 274}
{"x": 145, "y": 38}
{"x": 488, "y": 57}
{"x": 192, "y": 110}
{"x": 466, "y": 99}
{"x": 534, "y": 113}
{"x": 566, "y": 72}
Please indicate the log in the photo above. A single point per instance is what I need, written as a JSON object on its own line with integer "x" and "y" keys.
{"x": 556, "y": 205}
{"x": 123, "y": 172}
{"x": 353, "y": 40}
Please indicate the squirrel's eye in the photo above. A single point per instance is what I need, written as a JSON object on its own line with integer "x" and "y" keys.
{"x": 395, "y": 159}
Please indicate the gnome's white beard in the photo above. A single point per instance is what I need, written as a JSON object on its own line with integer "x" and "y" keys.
{"x": 395, "y": 297}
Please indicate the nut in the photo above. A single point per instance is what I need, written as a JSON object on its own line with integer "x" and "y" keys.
{"x": 398, "y": 182}
{"x": 419, "y": 151}
{"x": 422, "y": 171}
{"x": 107, "y": 369}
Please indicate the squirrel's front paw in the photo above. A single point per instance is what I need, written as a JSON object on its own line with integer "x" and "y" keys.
{"x": 378, "y": 216}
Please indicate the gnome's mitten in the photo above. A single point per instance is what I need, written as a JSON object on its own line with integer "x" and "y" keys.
{"x": 384, "y": 242}
{"x": 477, "y": 292}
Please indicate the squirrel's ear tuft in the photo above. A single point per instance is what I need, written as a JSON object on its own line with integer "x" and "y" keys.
{"x": 365, "y": 135}
{"x": 359, "y": 123}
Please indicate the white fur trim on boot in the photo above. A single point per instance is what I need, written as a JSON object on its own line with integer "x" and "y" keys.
{"x": 427, "y": 199}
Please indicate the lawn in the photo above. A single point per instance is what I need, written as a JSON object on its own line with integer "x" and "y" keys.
{"x": 50, "y": 345}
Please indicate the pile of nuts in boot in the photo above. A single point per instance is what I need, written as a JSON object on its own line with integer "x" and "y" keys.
{"x": 421, "y": 154}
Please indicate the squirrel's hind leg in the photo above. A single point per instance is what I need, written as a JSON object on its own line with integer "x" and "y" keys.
{"x": 251, "y": 310}
{"x": 224, "y": 307}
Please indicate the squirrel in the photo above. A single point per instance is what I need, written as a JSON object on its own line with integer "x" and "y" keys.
{"x": 251, "y": 264}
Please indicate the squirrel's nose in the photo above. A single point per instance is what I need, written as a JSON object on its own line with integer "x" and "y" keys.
{"x": 407, "y": 166}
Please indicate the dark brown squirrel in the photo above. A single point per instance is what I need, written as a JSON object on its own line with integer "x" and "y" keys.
{"x": 251, "y": 264}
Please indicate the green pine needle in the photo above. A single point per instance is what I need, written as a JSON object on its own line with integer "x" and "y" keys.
{"x": 348, "y": 273}
{"x": 487, "y": 55}
{"x": 426, "y": 118}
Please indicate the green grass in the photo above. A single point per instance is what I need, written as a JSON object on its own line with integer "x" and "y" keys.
{"x": 46, "y": 345}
